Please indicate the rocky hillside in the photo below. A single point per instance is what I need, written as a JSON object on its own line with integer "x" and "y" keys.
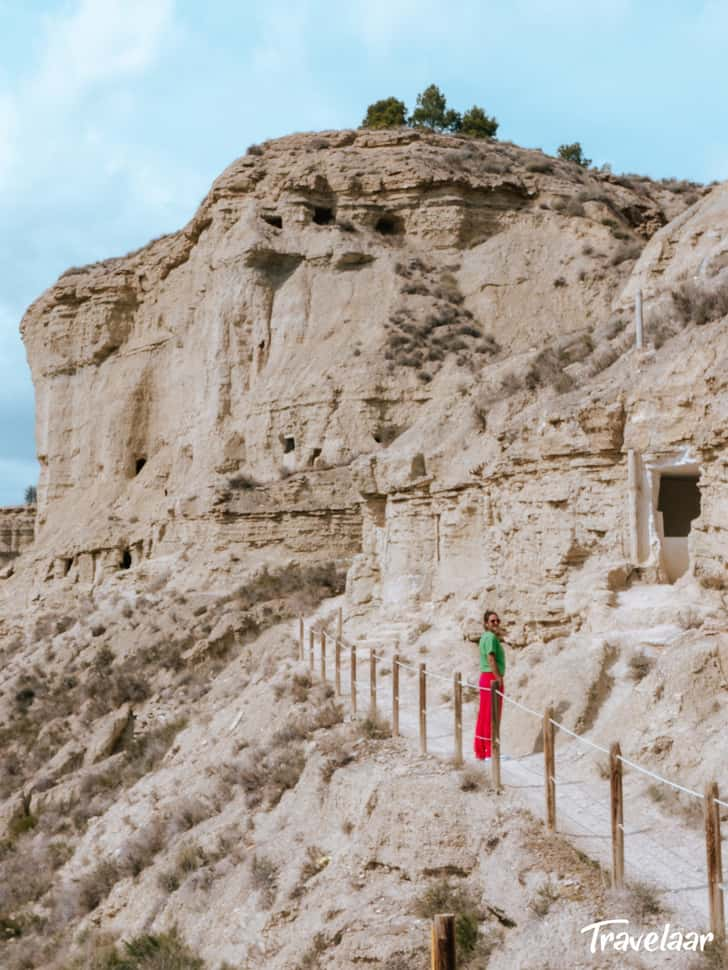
{"x": 399, "y": 369}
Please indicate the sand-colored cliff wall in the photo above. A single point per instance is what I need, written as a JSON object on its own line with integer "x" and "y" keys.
{"x": 17, "y": 531}
{"x": 409, "y": 351}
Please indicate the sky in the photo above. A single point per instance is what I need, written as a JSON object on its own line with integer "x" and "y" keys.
{"x": 116, "y": 115}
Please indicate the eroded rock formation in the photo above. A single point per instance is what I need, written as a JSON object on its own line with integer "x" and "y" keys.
{"x": 402, "y": 361}
{"x": 396, "y": 295}
{"x": 17, "y": 530}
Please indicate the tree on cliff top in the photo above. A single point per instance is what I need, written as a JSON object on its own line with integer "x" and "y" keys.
{"x": 31, "y": 495}
{"x": 573, "y": 153}
{"x": 432, "y": 112}
{"x": 387, "y": 113}
{"x": 478, "y": 124}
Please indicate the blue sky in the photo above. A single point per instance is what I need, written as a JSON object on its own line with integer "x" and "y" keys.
{"x": 115, "y": 115}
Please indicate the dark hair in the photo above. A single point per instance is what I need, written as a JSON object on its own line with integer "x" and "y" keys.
{"x": 487, "y": 615}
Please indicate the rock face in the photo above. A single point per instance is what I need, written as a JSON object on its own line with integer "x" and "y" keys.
{"x": 392, "y": 344}
{"x": 401, "y": 362}
{"x": 17, "y": 530}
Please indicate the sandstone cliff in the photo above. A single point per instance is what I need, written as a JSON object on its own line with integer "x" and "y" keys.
{"x": 401, "y": 362}
{"x": 17, "y": 531}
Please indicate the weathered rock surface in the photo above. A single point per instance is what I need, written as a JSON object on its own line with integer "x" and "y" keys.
{"x": 410, "y": 357}
{"x": 17, "y": 531}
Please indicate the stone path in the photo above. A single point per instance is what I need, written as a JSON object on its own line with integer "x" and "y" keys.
{"x": 661, "y": 849}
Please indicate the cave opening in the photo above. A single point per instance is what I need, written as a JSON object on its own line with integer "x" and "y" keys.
{"x": 140, "y": 463}
{"x": 273, "y": 220}
{"x": 289, "y": 444}
{"x": 389, "y": 225}
{"x": 126, "y": 559}
{"x": 678, "y": 504}
{"x": 323, "y": 215}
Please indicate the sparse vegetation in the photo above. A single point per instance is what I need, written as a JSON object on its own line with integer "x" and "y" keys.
{"x": 423, "y": 340}
{"x": 265, "y": 879}
{"x": 165, "y": 951}
{"x": 472, "y": 780}
{"x": 640, "y": 665}
{"x": 431, "y": 111}
{"x": 444, "y": 897}
{"x": 544, "y": 898}
{"x": 700, "y": 304}
{"x": 375, "y": 728}
{"x": 573, "y": 153}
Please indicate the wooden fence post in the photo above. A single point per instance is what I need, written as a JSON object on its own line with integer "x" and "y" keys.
{"x": 310, "y": 650}
{"x": 300, "y": 638}
{"x": 457, "y": 696}
{"x": 337, "y": 667}
{"x": 395, "y": 696}
{"x": 443, "y": 942}
{"x": 617, "y": 803}
{"x": 549, "y": 760}
{"x": 714, "y": 861}
{"x": 495, "y": 762}
{"x": 323, "y": 655}
{"x": 352, "y": 670}
{"x": 372, "y": 683}
{"x": 423, "y": 708}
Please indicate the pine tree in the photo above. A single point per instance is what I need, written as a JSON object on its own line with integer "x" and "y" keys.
{"x": 432, "y": 112}
{"x": 478, "y": 124}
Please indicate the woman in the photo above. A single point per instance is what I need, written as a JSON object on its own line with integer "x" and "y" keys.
{"x": 492, "y": 670}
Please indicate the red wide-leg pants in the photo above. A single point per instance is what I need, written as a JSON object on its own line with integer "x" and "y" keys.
{"x": 481, "y": 743}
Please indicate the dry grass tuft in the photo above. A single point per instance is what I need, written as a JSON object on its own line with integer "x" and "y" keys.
{"x": 375, "y": 728}
{"x": 640, "y": 665}
{"x": 472, "y": 780}
{"x": 265, "y": 879}
{"x": 544, "y": 898}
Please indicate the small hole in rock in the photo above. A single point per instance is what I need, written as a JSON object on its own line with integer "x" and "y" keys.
{"x": 389, "y": 225}
{"x": 126, "y": 559}
{"x": 316, "y": 453}
{"x": 273, "y": 220}
{"x": 140, "y": 463}
{"x": 323, "y": 216}
{"x": 289, "y": 444}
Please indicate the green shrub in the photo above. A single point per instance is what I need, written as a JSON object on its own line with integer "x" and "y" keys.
{"x": 443, "y": 897}
{"x": 574, "y": 153}
{"x": 478, "y": 124}
{"x": 165, "y": 951}
{"x": 387, "y": 113}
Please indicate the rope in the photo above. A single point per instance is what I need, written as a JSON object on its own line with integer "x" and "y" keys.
{"x": 672, "y": 784}
{"x": 577, "y": 737}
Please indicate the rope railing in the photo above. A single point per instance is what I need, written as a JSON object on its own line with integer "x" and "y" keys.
{"x": 419, "y": 676}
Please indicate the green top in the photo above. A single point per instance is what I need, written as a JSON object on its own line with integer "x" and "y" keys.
{"x": 489, "y": 643}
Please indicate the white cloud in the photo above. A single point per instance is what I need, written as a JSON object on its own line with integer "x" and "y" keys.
{"x": 90, "y": 51}
{"x": 383, "y": 24}
{"x": 104, "y": 40}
